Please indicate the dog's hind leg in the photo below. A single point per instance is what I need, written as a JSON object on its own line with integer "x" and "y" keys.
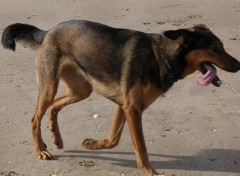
{"x": 46, "y": 96}
{"x": 78, "y": 89}
{"x": 47, "y": 68}
{"x": 114, "y": 136}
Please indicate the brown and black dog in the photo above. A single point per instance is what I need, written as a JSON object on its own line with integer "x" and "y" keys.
{"x": 129, "y": 67}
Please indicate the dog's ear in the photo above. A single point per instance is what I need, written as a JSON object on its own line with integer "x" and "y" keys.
{"x": 186, "y": 33}
{"x": 188, "y": 36}
{"x": 175, "y": 34}
{"x": 201, "y": 27}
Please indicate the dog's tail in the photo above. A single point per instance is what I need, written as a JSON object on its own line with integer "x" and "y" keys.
{"x": 27, "y": 34}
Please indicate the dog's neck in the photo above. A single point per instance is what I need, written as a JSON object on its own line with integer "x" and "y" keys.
{"x": 166, "y": 57}
{"x": 171, "y": 75}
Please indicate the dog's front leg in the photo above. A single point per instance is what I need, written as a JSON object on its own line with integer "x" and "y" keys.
{"x": 134, "y": 119}
{"x": 114, "y": 136}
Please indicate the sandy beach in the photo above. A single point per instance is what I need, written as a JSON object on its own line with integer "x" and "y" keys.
{"x": 191, "y": 131}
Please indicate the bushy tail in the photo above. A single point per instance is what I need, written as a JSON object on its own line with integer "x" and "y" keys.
{"x": 27, "y": 34}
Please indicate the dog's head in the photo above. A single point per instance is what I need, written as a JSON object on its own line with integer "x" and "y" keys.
{"x": 201, "y": 50}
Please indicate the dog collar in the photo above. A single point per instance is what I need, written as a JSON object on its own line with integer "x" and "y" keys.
{"x": 173, "y": 76}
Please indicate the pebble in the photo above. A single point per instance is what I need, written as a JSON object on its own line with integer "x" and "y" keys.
{"x": 95, "y": 116}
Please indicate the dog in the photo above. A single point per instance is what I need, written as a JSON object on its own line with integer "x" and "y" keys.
{"x": 131, "y": 68}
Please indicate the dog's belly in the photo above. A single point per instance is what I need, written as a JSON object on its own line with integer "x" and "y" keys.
{"x": 111, "y": 91}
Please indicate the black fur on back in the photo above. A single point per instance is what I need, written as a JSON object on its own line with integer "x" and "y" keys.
{"x": 25, "y": 33}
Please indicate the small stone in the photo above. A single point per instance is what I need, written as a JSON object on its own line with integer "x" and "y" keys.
{"x": 211, "y": 159}
{"x": 160, "y": 23}
{"x": 146, "y": 23}
{"x": 95, "y": 116}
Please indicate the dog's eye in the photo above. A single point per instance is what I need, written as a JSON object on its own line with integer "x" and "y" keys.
{"x": 215, "y": 49}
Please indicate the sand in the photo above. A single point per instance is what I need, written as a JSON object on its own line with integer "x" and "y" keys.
{"x": 191, "y": 131}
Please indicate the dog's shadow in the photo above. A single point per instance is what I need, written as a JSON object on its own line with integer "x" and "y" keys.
{"x": 218, "y": 160}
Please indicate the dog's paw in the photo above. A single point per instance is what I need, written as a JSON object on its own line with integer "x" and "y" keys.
{"x": 155, "y": 174}
{"x": 158, "y": 174}
{"x": 89, "y": 144}
{"x": 44, "y": 155}
{"x": 152, "y": 172}
{"x": 57, "y": 140}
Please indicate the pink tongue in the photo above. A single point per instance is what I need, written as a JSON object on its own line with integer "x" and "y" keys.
{"x": 208, "y": 77}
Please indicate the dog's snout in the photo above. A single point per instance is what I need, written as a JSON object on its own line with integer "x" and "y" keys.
{"x": 238, "y": 65}
{"x": 238, "y": 68}
{"x": 232, "y": 63}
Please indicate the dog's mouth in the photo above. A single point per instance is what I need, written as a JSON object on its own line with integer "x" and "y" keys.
{"x": 209, "y": 75}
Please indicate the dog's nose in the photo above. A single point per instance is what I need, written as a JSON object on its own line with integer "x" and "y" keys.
{"x": 235, "y": 65}
{"x": 238, "y": 66}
